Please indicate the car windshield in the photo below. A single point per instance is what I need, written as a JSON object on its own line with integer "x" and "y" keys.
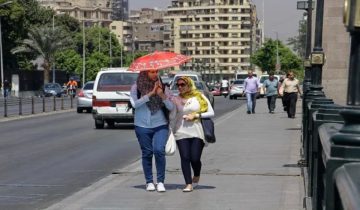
{"x": 116, "y": 81}
{"x": 238, "y": 82}
{"x": 52, "y": 86}
{"x": 89, "y": 86}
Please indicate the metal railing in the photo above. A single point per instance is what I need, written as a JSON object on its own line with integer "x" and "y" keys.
{"x": 17, "y": 106}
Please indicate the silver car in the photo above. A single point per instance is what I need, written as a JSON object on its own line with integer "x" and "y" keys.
{"x": 84, "y": 98}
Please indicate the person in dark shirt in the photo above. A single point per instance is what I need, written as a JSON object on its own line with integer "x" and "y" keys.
{"x": 6, "y": 88}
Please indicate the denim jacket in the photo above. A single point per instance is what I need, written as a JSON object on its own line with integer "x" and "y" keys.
{"x": 143, "y": 116}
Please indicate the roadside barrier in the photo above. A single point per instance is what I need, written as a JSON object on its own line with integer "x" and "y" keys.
{"x": 16, "y": 106}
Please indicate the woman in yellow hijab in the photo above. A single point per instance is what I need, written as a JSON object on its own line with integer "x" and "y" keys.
{"x": 191, "y": 105}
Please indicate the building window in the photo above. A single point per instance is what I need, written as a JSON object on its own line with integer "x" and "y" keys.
{"x": 113, "y": 27}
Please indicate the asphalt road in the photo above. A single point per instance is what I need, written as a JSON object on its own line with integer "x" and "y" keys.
{"x": 45, "y": 159}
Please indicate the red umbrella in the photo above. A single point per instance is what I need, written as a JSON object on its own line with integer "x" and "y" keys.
{"x": 158, "y": 60}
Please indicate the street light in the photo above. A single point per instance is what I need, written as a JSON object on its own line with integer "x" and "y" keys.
{"x": 278, "y": 65}
{"x": 53, "y": 29}
{"x": 83, "y": 26}
{"x": 1, "y": 51}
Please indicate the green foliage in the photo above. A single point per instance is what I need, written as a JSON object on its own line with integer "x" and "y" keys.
{"x": 44, "y": 42}
{"x": 265, "y": 58}
{"x": 17, "y": 19}
{"x": 94, "y": 63}
{"x": 68, "y": 60}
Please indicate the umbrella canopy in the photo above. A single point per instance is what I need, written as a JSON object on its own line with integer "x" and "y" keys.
{"x": 158, "y": 60}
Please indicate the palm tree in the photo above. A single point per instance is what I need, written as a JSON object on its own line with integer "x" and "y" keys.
{"x": 45, "y": 42}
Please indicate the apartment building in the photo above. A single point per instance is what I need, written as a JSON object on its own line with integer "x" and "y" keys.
{"x": 91, "y": 12}
{"x": 220, "y": 35}
{"x": 120, "y": 10}
{"x": 142, "y": 32}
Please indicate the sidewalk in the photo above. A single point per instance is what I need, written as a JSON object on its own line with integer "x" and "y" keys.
{"x": 252, "y": 166}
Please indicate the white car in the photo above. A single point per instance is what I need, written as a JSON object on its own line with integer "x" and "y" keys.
{"x": 111, "y": 97}
{"x": 237, "y": 89}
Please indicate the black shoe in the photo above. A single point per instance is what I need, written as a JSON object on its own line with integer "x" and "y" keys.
{"x": 253, "y": 112}
{"x": 248, "y": 112}
{"x": 272, "y": 112}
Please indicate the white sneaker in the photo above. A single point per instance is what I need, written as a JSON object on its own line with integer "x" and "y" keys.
{"x": 160, "y": 187}
{"x": 150, "y": 187}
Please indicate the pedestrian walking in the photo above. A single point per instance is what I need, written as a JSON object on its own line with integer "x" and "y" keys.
{"x": 271, "y": 91}
{"x": 191, "y": 105}
{"x": 281, "y": 91}
{"x": 6, "y": 88}
{"x": 149, "y": 99}
{"x": 251, "y": 86}
{"x": 291, "y": 89}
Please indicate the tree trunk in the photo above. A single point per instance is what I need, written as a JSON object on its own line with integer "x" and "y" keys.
{"x": 46, "y": 66}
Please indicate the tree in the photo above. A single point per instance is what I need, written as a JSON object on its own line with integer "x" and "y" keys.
{"x": 24, "y": 15}
{"x": 44, "y": 42}
{"x": 68, "y": 60}
{"x": 94, "y": 63}
{"x": 265, "y": 58}
{"x": 298, "y": 42}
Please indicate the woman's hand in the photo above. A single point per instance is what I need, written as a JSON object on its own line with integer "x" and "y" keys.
{"x": 154, "y": 90}
{"x": 190, "y": 117}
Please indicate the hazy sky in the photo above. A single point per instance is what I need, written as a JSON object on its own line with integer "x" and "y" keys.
{"x": 280, "y": 15}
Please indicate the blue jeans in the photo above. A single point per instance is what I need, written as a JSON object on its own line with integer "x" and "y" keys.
{"x": 152, "y": 142}
{"x": 251, "y": 101}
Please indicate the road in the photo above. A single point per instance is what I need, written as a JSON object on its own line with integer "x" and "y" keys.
{"x": 45, "y": 159}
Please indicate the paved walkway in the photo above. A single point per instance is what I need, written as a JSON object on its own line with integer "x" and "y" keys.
{"x": 251, "y": 167}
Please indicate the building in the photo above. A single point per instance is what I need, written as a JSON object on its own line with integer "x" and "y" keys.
{"x": 120, "y": 10}
{"x": 91, "y": 12}
{"x": 220, "y": 35}
{"x": 143, "y": 32}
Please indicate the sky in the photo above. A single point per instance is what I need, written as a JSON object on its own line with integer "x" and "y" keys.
{"x": 281, "y": 16}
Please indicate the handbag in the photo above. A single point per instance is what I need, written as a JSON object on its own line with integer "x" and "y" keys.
{"x": 209, "y": 129}
{"x": 170, "y": 146}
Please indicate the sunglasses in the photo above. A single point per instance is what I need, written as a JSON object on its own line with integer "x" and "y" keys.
{"x": 180, "y": 84}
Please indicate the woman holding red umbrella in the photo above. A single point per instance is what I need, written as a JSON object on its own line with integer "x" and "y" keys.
{"x": 151, "y": 125}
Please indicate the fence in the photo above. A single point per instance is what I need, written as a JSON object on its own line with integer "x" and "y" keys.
{"x": 17, "y": 106}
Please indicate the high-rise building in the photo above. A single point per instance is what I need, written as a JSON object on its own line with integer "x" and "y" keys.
{"x": 120, "y": 10}
{"x": 220, "y": 35}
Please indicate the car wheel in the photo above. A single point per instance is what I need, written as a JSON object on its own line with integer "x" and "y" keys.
{"x": 230, "y": 97}
{"x": 110, "y": 123}
{"x": 99, "y": 124}
{"x": 235, "y": 97}
{"x": 88, "y": 110}
{"x": 79, "y": 110}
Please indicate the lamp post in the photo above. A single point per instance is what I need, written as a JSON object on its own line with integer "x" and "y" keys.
{"x": 53, "y": 30}
{"x": 83, "y": 26}
{"x": 277, "y": 66}
{"x": 317, "y": 57}
{"x": 1, "y": 51}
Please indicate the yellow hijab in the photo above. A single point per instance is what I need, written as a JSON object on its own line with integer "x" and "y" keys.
{"x": 193, "y": 92}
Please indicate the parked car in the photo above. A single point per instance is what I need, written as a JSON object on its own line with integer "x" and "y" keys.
{"x": 111, "y": 97}
{"x": 52, "y": 89}
{"x": 237, "y": 89}
{"x": 84, "y": 99}
{"x": 200, "y": 85}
